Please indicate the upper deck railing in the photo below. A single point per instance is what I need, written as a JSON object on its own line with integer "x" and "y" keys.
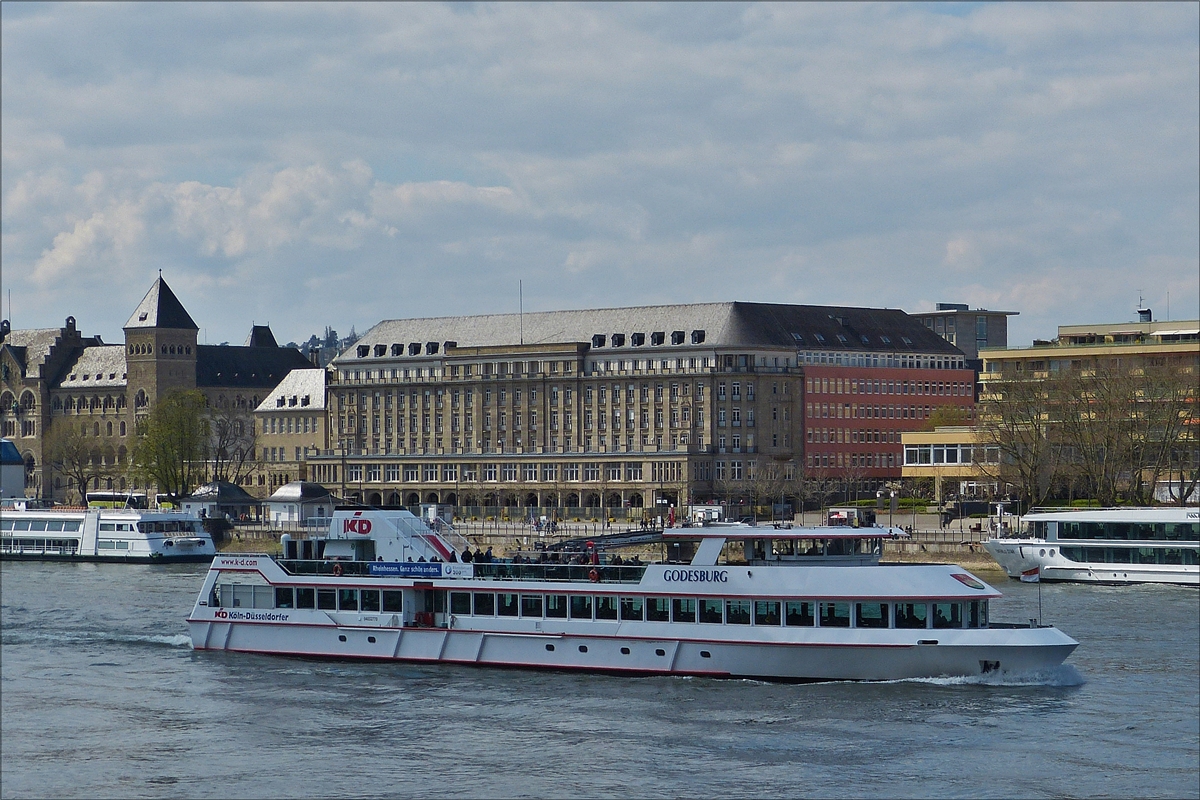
{"x": 498, "y": 571}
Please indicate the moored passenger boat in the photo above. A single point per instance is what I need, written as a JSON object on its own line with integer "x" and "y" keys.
{"x": 1113, "y": 545}
{"x": 102, "y": 534}
{"x": 770, "y": 605}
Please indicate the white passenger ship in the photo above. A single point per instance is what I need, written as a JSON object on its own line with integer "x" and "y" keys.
{"x": 1112, "y": 545}
{"x": 102, "y": 534}
{"x": 781, "y": 612}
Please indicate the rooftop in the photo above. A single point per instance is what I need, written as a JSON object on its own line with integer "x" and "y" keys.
{"x": 624, "y": 330}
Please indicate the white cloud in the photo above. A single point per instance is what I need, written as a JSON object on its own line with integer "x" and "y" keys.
{"x": 341, "y": 163}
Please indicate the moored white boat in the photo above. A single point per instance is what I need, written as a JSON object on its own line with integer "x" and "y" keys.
{"x": 103, "y": 534}
{"x": 1117, "y": 545}
{"x": 770, "y": 609}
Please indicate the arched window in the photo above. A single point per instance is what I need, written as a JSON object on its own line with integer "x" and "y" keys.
{"x": 122, "y": 427}
{"x": 96, "y": 429}
{"x": 28, "y": 401}
{"x": 108, "y": 429}
{"x": 139, "y": 400}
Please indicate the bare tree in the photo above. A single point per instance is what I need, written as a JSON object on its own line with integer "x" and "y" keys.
{"x": 70, "y": 452}
{"x": 231, "y": 442}
{"x": 1163, "y": 434}
{"x": 1016, "y": 417}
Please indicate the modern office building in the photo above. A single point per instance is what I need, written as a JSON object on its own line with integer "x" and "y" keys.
{"x": 630, "y": 407}
{"x": 968, "y": 329}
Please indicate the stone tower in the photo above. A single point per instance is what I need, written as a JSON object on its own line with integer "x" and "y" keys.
{"x": 160, "y": 348}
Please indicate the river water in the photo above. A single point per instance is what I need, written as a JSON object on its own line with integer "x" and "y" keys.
{"x": 101, "y": 695}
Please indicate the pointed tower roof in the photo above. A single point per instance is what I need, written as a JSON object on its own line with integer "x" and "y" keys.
{"x": 160, "y": 308}
{"x": 261, "y": 336}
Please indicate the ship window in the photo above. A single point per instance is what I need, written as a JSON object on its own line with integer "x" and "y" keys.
{"x": 369, "y": 599}
{"x": 947, "y": 615}
{"x": 912, "y": 615}
{"x": 835, "y": 615}
{"x": 485, "y": 604}
{"x": 306, "y": 598}
{"x": 1120, "y": 555}
{"x": 531, "y": 605}
{"x": 284, "y": 597}
{"x": 632, "y": 608}
{"x": 658, "y": 609}
{"x": 710, "y": 610}
{"x": 243, "y": 596}
{"x": 506, "y": 604}
{"x": 348, "y": 599}
{"x": 799, "y": 613}
{"x": 737, "y": 612}
{"x": 624, "y": 651}
{"x": 977, "y": 614}
{"x": 326, "y": 599}
{"x": 683, "y": 609}
{"x": 460, "y": 602}
{"x": 583, "y": 648}
{"x": 581, "y": 606}
{"x": 606, "y": 606}
{"x": 870, "y": 615}
{"x": 393, "y": 601}
{"x": 556, "y": 606}
{"x": 766, "y": 612}
{"x": 705, "y": 654}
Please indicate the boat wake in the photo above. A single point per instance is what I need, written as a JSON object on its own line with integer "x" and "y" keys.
{"x": 1062, "y": 675}
{"x": 29, "y": 637}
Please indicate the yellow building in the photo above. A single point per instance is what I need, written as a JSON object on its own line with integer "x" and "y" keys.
{"x": 954, "y": 454}
{"x": 1089, "y": 347}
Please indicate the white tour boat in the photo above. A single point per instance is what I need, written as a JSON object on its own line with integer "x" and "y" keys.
{"x": 787, "y": 604}
{"x": 102, "y": 534}
{"x": 1111, "y": 545}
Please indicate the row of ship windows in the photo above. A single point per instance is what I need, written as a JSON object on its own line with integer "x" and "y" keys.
{"x": 706, "y": 610}
{"x": 1122, "y": 531}
{"x": 1128, "y": 555}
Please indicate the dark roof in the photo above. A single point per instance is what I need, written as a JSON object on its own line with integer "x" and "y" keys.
{"x": 819, "y": 328}
{"x": 264, "y": 367}
{"x": 222, "y": 492}
{"x": 261, "y": 336}
{"x": 160, "y": 308}
{"x": 725, "y": 325}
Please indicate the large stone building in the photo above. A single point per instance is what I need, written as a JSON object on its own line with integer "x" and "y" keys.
{"x": 57, "y": 376}
{"x": 630, "y": 407}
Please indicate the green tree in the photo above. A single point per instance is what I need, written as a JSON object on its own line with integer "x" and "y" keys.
{"x": 173, "y": 444}
{"x": 946, "y": 416}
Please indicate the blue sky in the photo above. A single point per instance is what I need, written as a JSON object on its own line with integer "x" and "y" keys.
{"x": 312, "y": 164}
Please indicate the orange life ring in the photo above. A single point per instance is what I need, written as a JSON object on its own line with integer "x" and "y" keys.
{"x": 593, "y": 575}
{"x": 337, "y": 570}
